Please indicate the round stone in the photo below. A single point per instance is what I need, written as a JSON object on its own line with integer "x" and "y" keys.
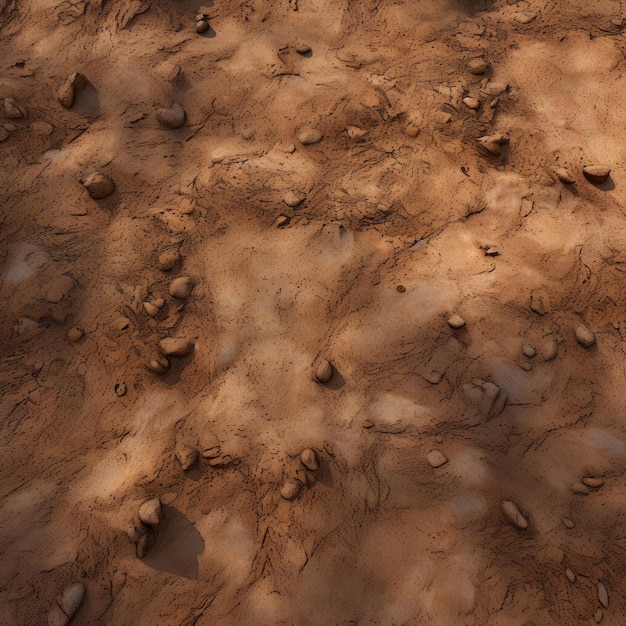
{"x": 290, "y": 489}
{"x": 324, "y": 371}
{"x": 514, "y": 515}
{"x": 564, "y": 176}
{"x": 168, "y": 259}
{"x": 309, "y": 459}
{"x": 478, "y": 66}
{"x": 412, "y": 130}
{"x": 593, "y": 482}
{"x": 309, "y": 136}
{"x": 436, "y": 458}
{"x": 159, "y": 365}
{"x": 456, "y": 322}
{"x": 175, "y": 346}
{"x": 99, "y": 185}
{"x": 293, "y": 198}
{"x": 201, "y": 26}
{"x": 151, "y": 512}
{"x": 74, "y": 334}
{"x": 181, "y": 287}
{"x": 529, "y": 351}
{"x": 584, "y": 336}
{"x": 471, "y": 103}
{"x": 596, "y": 173}
{"x": 71, "y": 598}
{"x": 171, "y": 117}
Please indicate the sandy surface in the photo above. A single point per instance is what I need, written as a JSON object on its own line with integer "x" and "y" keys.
{"x": 469, "y": 308}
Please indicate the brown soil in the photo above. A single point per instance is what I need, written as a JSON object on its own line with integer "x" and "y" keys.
{"x": 439, "y": 322}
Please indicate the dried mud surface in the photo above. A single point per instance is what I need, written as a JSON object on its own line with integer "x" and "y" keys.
{"x": 320, "y": 195}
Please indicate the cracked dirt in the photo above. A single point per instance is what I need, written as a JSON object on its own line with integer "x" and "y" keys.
{"x": 391, "y": 389}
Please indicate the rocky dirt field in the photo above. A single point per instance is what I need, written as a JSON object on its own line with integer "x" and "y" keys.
{"x": 313, "y": 312}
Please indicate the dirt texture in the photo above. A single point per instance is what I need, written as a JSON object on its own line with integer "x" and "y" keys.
{"x": 314, "y": 312}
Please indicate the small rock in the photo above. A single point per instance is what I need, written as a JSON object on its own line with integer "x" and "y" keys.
{"x": 181, "y": 287}
{"x": 493, "y": 143}
{"x": 514, "y": 515}
{"x": 401, "y": 289}
{"x": 171, "y": 117}
{"x": 584, "y": 336}
{"x": 151, "y": 512}
{"x": 570, "y": 575}
{"x": 201, "y": 26}
{"x": 495, "y": 89}
{"x": 74, "y": 334}
{"x": 568, "y": 523}
{"x": 4, "y": 133}
{"x": 159, "y": 365}
{"x": 175, "y": 346}
{"x": 187, "y": 456}
{"x": 550, "y": 349}
{"x": 529, "y": 351}
{"x": 99, "y": 185}
{"x": 579, "y": 489}
{"x": 248, "y": 134}
{"x": 290, "y": 489}
{"x": 56, "y": 616}
{"x": 302, "y": 48}
{"x": 471, "y": 103}
{"x": 593, "y": 482}
{"x": 603, "y": 595}
{"x": 68, "y": 90}
{"x": 596, "y": 173}
{"x": 281, "y": 220}
{"x": 537, "y": 304}
{"x": 13, "y": 110}
{"x": 492, "y": 251}
{"x": 324, "y": 371}
{"x": 412, "y": 130}
{"x": 597, "y": 616}
{"x": 293, "y": 198}
{"x": 71, "y": 599}
{"x": 564, "y": 176}
{"x": 168, "y": 259}
{"x": 151, "y": 309}
{"x": 309, "y": 459}
{"x": 355, "y": 133}
{"x": 478, "y": 66}
{"x": 120, "y": 389}
{"x": 309, "y": 136}
{"x": 436, "y": 458}
{"x": 456, "y": 322}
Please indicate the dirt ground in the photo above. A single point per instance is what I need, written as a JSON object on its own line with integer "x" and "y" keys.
{"x": 365, "y": 233}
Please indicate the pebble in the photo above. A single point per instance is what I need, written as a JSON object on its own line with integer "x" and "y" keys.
{"x": 71, "y": 599}
{"x": 201, "y": 26}
{"x": 120, "y": 389}
{"x": 436, "y": 458}
{"x": 493, "y": 143}
{"x": 4, "y": 133}
{"x": 143, "y": 537}
{"x": 355, "y": 133}
{"x": 159, "y": 365}
{"x": 596, "y": 173}
{"x": 151, "y": 512}
{"x": 593, "y": 482}
{"x": 584, "y": 336}
{"x": 478, "y": 66}
{"x": 514, "y": 515}
{"x": 564, "y": 176}
{"x": 302, "y": 48}
{"x": 99, "y": 185}
{"x": 471, "y": 103}
{"x": 175, "y": 346}
{"x": 324, "y": 371}
{"x": 568, "y": 523}
{"x": 550, "y": 350}
{"x": 603, "y": 595}
{"x": 580, "y": 489}
{"x": 168, "y": 259}
{"x": 187, "y": 456}
{"x": 290, "y": 489}
{"x": 13, "y": 110}
{"x": 537, "y": 304}
{"x": 309, "y": 459}
{"x": 570, "y": 575}
{"x": 529, "y": 351}
{"x": 281, "y": 221}
{"x": 456, "y": 322}
{"x": 597, "y": 616}
{"x": 293, "y": 198}
{"x": 151, "y": 309}
{"x": 412, "y": 130}
{"x": 74, "y": 334}
{"x": 171, "y": 117}
{"x": 68, "y": 90}
{"x": 181, "y": 287}
{"x": 56, "y": 616}
{"x": 495, "y": 89}
{"x": 309, "y": 136}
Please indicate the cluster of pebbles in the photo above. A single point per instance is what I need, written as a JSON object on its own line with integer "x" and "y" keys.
{"x": 292, "y": 487}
